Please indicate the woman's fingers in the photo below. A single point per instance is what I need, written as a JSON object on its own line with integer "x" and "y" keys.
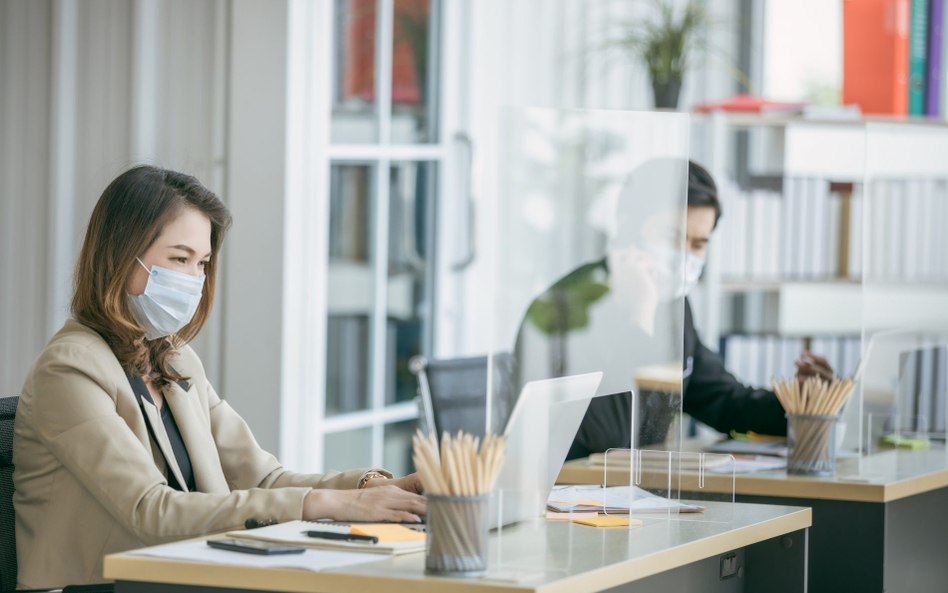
{"x": 413, "y": 506}
{"x": 407, "y": 504}
{"x": 396, "y": 492}
{"x": 411, "y": 483}
{"x": 395, "y": 499}
{"x": 402, "y": 517}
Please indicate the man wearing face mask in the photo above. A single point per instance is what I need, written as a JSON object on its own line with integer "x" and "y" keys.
{"x": 636, "y": 277}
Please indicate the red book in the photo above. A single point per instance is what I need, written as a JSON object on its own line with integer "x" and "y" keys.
{"x": 876, "y": 55}
{"x": 749, "y": 104}
{"x": 410, "y": 37}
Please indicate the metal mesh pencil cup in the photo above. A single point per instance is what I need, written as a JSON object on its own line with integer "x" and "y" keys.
{"x": 457, "y": 536}
{"x": 811, "y": 445}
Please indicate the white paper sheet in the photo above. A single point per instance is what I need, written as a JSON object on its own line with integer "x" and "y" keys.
{"x": 311, "y": 559}
{"x": 735, "y": 447}
{"x": 748, "y": 464}
{"x": 615, "y": 499}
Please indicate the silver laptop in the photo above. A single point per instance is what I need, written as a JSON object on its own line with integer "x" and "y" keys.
{"x": 539, "y": 433}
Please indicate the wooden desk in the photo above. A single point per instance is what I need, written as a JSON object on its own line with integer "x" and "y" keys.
{"x": 769, "y": 542}
{"x": 890, "y": 534}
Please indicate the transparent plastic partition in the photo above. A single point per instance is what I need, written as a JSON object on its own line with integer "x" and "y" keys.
{"x": 649, "y": 485}
{"x": 896, "y": 433}
{"x": 904, "y": 390}
{"x": 904, "y": 284}
{"x": 585, "y": 292}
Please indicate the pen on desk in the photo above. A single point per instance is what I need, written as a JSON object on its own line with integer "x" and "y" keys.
{"x": 342, "y": 536}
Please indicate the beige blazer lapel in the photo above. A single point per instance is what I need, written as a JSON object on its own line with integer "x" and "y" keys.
{"x": 158, "y": 429}
{"x": 195, "y": 431}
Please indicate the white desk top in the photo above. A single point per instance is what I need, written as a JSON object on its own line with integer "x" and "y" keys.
{"x": 552, "y": 556}
{"x": 899, "y": 473}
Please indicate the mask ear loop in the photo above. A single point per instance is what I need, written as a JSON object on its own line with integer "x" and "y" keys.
{"x": 143, "y": 265}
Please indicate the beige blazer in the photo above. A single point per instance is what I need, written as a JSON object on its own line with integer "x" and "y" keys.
{"x": 90, "y": 480}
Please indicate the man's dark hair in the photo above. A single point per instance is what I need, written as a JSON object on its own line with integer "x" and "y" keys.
{"x": 702, "y": 192}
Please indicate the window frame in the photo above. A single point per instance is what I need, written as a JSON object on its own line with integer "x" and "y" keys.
{"x": 311, "y": 153}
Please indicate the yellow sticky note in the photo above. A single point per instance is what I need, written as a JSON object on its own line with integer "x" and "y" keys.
{"x": 388, "y": 533}
{"x": 607, "y": 521}
{"x": 585, "y": 503}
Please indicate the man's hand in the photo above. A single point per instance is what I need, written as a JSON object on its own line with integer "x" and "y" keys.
{"x": 813, "y": 365}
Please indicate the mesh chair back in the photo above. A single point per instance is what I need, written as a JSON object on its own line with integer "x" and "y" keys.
{"x": 7, "y": 517}
{"x": 459, "y": 393}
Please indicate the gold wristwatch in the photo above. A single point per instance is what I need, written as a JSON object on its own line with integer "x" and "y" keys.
{"x": 369, "y": 475}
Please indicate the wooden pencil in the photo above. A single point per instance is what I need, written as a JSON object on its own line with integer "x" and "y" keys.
{"x": 813, "y": 397}
{"x": 463, "y": 466}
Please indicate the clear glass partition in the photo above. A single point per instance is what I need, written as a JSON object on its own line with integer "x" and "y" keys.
{"x": 585, "y": 303}
{"x": 901, "y": 392}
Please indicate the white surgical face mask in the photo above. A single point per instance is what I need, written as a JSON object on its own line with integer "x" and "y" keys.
{"x": 694, "y": 265}
{"x": 670, "y": 264}
{"x": 168, "y": 303}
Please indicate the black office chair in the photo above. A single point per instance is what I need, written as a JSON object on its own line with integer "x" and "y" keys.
{"x": 454, "y": 393}
{"x": 8, "y": 517}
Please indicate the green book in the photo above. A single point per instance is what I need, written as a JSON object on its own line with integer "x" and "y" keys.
{"x": 918, "y": 53}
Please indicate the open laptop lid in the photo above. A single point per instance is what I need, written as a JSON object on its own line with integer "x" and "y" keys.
{"x": 539, "y": 433}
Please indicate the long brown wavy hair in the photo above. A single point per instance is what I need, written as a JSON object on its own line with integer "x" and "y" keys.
{"x": 127, "y": 219}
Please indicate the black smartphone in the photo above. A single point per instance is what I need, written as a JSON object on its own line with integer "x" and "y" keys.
{"x": 250, "y": 546}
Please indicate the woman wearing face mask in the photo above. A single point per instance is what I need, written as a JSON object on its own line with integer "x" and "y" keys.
{"x": 120, "y": 441}
{"x": 627, "y": 289}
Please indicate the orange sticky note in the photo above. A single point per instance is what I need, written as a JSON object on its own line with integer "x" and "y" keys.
{"x": 388, "y": 533}
{"x": 607, "y": 521}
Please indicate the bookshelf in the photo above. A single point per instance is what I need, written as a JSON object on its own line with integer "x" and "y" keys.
{"x": 758, "y": 161}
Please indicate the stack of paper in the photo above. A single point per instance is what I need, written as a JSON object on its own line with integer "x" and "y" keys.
{"x": 393, "y": 539}
{"x": 748, "y": 464}
{"x": 617, "y": 459}
{"x": 619, "y": 499}
{"x": 735, "y": 447}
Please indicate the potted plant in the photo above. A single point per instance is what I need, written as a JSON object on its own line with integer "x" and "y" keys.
{"x": 667, "y": 45}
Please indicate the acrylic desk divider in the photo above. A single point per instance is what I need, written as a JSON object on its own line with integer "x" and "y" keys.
{"x": 651, "y": 485}
{"x": 519, "y": 536}
{"x": 896, "y": 433}
{"x": 893, "y": 444}
{"x": 902, "y": 396}
{"x": 903, "y": 272}
{"x": 584, "y": 293}
{"x": 581, "y": 283}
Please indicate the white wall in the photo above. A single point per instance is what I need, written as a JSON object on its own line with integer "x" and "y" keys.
{"x": 71, "y": 120}
{"x": 253, "y": 268}
{"x": 24, "y": 186}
